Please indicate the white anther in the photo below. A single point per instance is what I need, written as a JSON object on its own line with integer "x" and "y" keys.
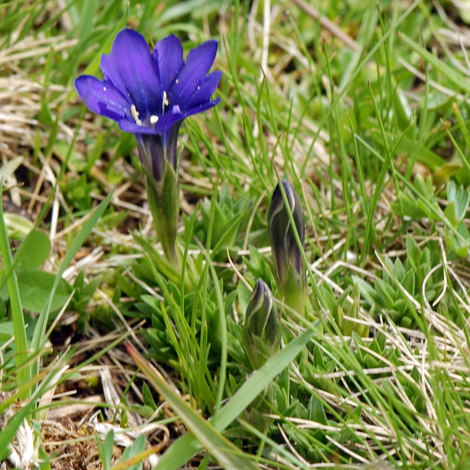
{"x": 153, "y": 119}
{"x": 135, "y": 115}
{"x": 104, "y": 88}
{"x": 165, "y": 102}
{"x": 177, "y": 81}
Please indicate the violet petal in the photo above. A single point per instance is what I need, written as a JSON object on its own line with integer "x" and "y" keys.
{"x": 202, "y": 107}
{"x": 133, "y": 128}
{"x": 197, "y": 66}
{"x": 168, "y": 54}
{"x": 204, "y": 90}
{"x": 101, "y": 97}
{"x": 167, "y": 121}
{"x": 131, "y": 68}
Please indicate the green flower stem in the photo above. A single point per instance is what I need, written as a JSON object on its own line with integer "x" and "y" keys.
{"x": 163, "y": 198}
{"x": 21, "y": 342}
{"x": 293, "y": 291}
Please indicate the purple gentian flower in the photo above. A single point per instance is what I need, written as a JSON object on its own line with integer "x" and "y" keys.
{"x": 150, "y": 94}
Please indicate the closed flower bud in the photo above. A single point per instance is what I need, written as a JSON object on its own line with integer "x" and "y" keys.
{"x": 286, "y": 251}
{"x": 261, "y": 332}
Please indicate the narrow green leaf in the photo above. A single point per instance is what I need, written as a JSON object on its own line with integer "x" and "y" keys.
{"x": 187, "y": 446}
{"x": 231, "y": 226}
{"x": 108, "y": 448}
{"x": 9, "y": 433}
{"x": 40, "y": 329}
{"x": 21, "y": 342}
{"x": 226, "y": 453}
{"x": 462, "y": 125}
{"x": 130, "y": 453}
{"x": 105, "y": 450}
{"x": 425, "y": 156}
{"x": 452, "y": 73}
{"x": 87, "y": 14}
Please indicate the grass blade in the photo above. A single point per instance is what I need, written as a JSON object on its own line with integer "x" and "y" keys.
{"x": 461, "y": 82}
{"x": 187, "y": 446}
{"x": 38, "y": 337}
{"x": 226, "y": 453}
{"x": 21, "y": 341}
